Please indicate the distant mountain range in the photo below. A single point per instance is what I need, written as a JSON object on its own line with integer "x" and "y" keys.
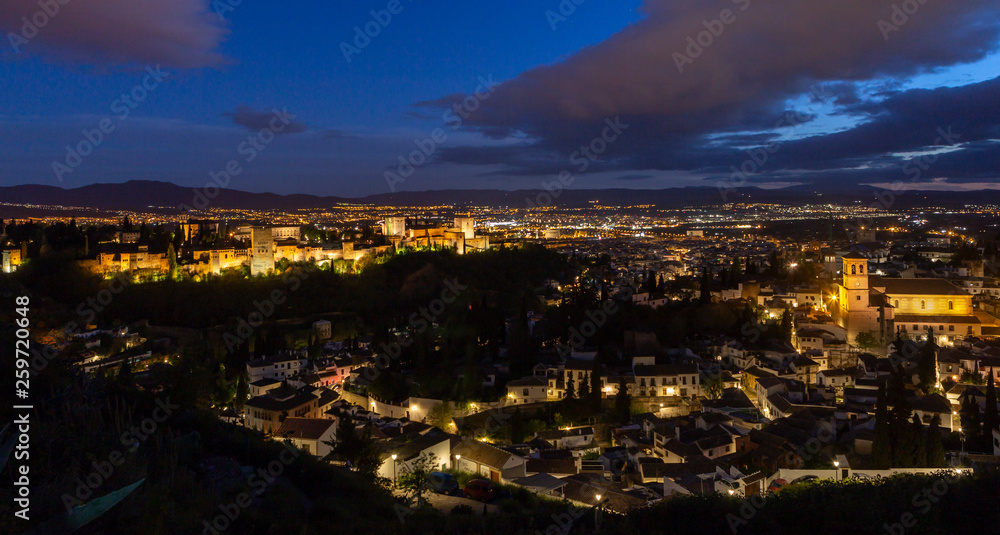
{"x": 168, "y": 197}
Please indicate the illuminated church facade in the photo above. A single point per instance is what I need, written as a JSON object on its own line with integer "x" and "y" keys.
{"x": 880, "y": 305}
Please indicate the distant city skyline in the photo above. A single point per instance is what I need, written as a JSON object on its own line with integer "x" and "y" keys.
{"x": 393, "y": 95}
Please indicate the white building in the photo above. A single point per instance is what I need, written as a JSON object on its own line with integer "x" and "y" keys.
{"x": 431, "y": 450}
{"x": 653, "y": 379}
{"x": 280, "y": 367}
{"x": 533, "y": 389}
{"x": 308, "y": 434}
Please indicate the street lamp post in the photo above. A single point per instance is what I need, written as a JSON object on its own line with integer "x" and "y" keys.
{"x": 457, "y": 458}
{"x": 961, "y": 454}
{"x": 836, "y": 470}
{"x": 393, "y": 469}
{"x": 597, "y": 514}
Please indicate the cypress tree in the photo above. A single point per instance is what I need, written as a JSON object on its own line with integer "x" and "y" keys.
{"x": 990, "y": 418}
{"x": 706, "y": 281}
{"x": 242, "y": 392}
{"x": 623, "y": 402}
{"x": 595, "y": 388}
{"x": 927, "y": 363}
{"x": 935, "y": 448}
{"x": 882, "y": 444}
{"x": 787, "y": 325}
{"x": 918, "y": 443}
{"x": 970, "y": 420}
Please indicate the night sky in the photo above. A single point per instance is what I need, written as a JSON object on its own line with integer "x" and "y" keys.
{"x": 790, "y": 91}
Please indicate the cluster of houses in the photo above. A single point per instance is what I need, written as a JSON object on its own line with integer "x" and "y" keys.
{"x": 289, "y": 384}
{"x": 646, "y": 378}
{"x": 777, "y": 408}
{"x": 785, "y": 411}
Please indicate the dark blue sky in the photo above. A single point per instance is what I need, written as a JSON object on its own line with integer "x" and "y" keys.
{"x": 838, "y": 92}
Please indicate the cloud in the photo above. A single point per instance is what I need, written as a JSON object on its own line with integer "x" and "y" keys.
{"x": 700, "y": 116}
{"x": 770, "y": 52}
{"x": 634, "y": 177}
{"x": 963, "y": 118}
{"x": 178, "y": 33}
{"x": 335, "y": 134}
{"x": 256, "y": 120}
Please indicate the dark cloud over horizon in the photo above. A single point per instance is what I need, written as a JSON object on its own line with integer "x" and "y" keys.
{"x": 737, "y": 90}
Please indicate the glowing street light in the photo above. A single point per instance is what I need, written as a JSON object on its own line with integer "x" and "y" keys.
{"x": 393, "y": 469}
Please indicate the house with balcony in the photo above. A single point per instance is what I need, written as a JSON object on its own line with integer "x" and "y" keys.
{"x": 664, "y": 380}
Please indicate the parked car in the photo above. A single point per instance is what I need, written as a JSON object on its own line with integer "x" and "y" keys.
{"x": 480, "y": 489}
{"x": 442, "y": 483}
{"x": 777, "y": 485}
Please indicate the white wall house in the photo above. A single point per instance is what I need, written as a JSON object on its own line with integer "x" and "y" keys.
{"x": 532, "y": 389}
{"x": 308, "y": 434}
{"x": 281, "y": 366}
